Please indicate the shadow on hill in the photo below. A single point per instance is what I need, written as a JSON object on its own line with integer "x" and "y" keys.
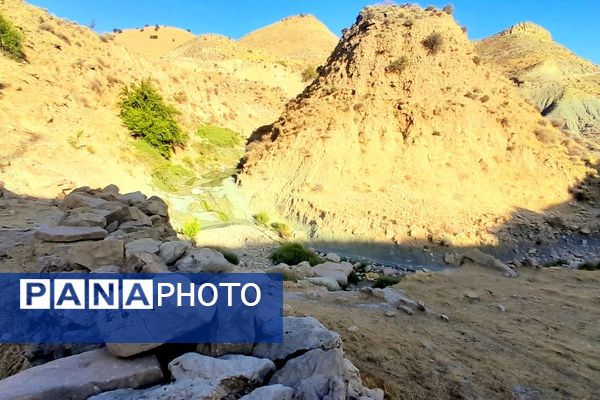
{"x": 567, "y": 233}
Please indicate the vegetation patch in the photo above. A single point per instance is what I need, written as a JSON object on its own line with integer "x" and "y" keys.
{"x": 434, "y": 42}
{"x": 293, "y": 254}
{"x": 283, "y": 230}
{"x": 262, "y": 219}
{"x": 385, "y": 281}
{"x": 147, "y": 116}
{"x": 398, "y": 65}
{"x": 165, "y": 174}
{"x": 228, "y": 254}
{"x": 191, "y": 228}
{"x": 219, "y": 137}
{"x": 309, "y": 74}
{"x": 11, "y": 40}
{"x": 590, "y": 266}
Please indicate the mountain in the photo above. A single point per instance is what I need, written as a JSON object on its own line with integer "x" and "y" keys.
{"x": 406, "y": 136}
{"x": 563, "y": 86}
{"x": 301, "y": 37}
{"x": 153, "y": 41}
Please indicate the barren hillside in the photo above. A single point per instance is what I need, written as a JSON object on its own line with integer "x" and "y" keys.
{"x": 153, "y": 41}
{"x": 406, "y": 136}
{"x": 58, "y": 110}
{"x": 562, "y": 85}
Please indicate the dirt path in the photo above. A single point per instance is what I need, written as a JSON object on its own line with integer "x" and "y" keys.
{"x": 545, "y": 345}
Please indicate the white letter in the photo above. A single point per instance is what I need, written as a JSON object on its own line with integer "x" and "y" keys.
{"x": 244, "y": 300}
{"x": 181, "y": 293}
{"x": 201, "y": 297}
{"x": 229, "y": 286}
{"x": 162, "y": 294}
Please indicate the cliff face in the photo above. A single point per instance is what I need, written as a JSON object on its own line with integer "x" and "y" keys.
{"x": 406, "y": 135}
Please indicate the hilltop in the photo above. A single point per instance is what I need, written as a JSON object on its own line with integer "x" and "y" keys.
{"x": 301, "y": 37}
{"x": 562, "y": 85}
{"x": 153, "y": 41}
{"x": 406, "y": 136}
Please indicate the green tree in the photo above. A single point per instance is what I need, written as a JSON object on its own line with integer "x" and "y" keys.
{"x": 147, "y": 116}
{"x": 11, "y": 40}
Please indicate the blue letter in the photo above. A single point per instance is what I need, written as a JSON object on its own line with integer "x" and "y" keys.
{"x": 31, "y": 294}
{"x": 137, "y": 288}
{"x": 71, "y": 296}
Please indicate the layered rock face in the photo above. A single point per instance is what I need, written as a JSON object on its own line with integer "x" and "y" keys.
{"x": 405, "y": 135}
{"x": 564, "y": 86}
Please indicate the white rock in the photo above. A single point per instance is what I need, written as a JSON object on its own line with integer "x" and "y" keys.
{"x": 271, "y": 392}
{"x": 333, "y": 257}
{"x": 70, "y": 233}
{"x": 81, "y": 376}
{"x": 330, "y": 283}
{"x": 203, "y": 260}
{"x": 299, "y": 334}
{"x": 337, "y": 271}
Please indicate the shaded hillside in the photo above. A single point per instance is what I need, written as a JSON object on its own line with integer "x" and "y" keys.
{"x": 58, "y": 111}
{"x": 405, "y": 135}
{"x": 562, "y": 85}
{"x": 153, "y": 40}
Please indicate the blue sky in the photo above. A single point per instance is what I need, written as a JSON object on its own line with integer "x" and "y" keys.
{"x": 575, "y": 24}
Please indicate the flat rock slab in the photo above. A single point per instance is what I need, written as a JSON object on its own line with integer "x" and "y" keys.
{"x": 196, "y": 389}
{"x": 81, "y": 376}
{"x": 271, "y": 392}
{"x": 70, "y": 233}
{"x": 299, "y": 334}
{"x": 93, "y": 255}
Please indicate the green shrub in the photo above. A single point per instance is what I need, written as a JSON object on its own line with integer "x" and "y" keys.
{"x": 149, "y": 117}
{"x": 228, "y": 254}
{"x": 434, "y": 42}
{"x": 165, "y": 174}
{"x": 262, "y": 218}
{"x": 293, "y": 254}
{"x": 309, "y": 74}
{"x": 283, "y": 230}
{"x": 11, "y": 40}
{"x": 220, "y": 137}
{"x": 191, "y": 228}
{"x": 398, "y": 65}
{"x": 590, "y": 266}
{"x": 385, "y": 281}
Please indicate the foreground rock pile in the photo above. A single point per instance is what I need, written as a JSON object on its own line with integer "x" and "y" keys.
{"x": 104, "y": 231}
{"x": 309, "y": 364}
{"x": 101, "y": 230}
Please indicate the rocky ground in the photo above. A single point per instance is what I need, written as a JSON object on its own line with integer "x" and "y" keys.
{"x": 483, "y": 329}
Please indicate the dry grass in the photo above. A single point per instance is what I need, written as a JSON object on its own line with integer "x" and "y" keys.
{"x": 434, "y": 42}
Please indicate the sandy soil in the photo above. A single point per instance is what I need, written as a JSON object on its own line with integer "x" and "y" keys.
{"x": 545, "y": 344}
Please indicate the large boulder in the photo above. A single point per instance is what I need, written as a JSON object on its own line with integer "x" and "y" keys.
{"x": 92, "y": 255}
{"x": 300, "y": 334}
{"x": 145, "y": 262}
{"x": 203, "y": 260}
{"x": 173, "y": 250}
{"x": 270, "y": 392}
{"x": 330, "y": 283}
{"x": 80, "y": 199}
{"x": 145, "y": 245}
{"x": 248, "y": 371}
{"x": 81, "y": 376}
{"x": 154, "y": 206}
{"x": 132, "y": 198}
{"x": 317, "y": 374}
{"x": 124, "y": 214}
{"x": 70, "y": 233}
{"x": 334, "y": 270}
{"x": 354, "y": 386}
{"x": 196, "y": 389}
{"x": 126, "y": 350}
{"x": 83, "y": 219}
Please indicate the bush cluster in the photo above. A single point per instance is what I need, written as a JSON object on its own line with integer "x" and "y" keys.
{"x": 434, "y": 42}
{"x": 149, "y": 117}
{"x": 11, "y": 40}
{"x": 293, "y": 254}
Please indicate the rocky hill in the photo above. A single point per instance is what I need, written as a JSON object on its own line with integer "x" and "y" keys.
{"x": 301, "y": 37}
{"x": 58, "y": 110}
{"x": 153, "y": 40}
{"x": 560, "y": 84}
{"x": 406, "y": 136}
